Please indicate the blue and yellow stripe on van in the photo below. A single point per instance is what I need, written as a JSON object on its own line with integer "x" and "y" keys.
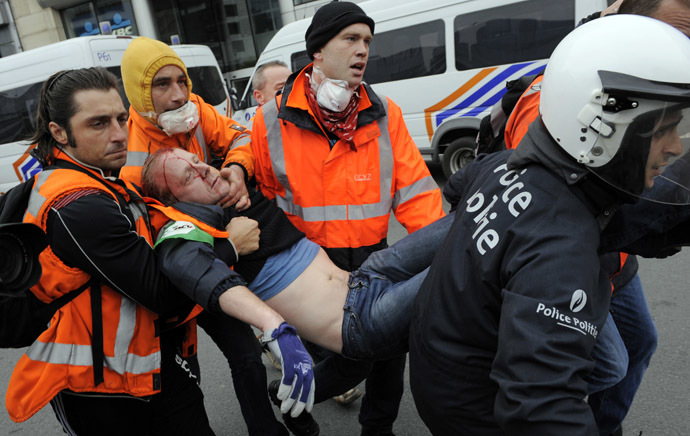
{"x": 478, "y": 94}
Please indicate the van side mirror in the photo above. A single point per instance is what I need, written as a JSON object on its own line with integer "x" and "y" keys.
{"x": 237, "y": 104}
{"x": 233, "y": 100}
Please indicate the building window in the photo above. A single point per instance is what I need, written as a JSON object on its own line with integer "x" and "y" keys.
{"x": 237, "y": 31}
{"x": 231, "y": 10}
{"x": 266, "y": 21}
{"x": 233, "y": 28}
{"x": 237, "y": 46}
{"x": 81, "y": 21}
{"x": 100, "y": 17}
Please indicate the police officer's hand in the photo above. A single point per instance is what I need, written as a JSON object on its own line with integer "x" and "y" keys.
{"x": 244, "y": 234}
{"x": 238, "y": 196}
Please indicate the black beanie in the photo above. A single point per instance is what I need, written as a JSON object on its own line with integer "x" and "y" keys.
{"x": 329, "y": 20}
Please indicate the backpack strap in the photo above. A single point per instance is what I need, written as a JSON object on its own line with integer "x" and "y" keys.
{"x": 97, "y": 354}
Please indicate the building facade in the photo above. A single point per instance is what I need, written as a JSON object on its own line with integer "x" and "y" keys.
{"x": 236, "y": 30}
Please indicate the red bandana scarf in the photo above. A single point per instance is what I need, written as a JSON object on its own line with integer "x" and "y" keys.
{"x": 341, "y": 124}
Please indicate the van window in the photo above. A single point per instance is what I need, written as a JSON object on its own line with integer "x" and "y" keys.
{"x": 299, "y": 60}
{"x": 120, "y": 86}
{"x": 408, "y": 52}
{"x": 405, "y": 53}
{"x": 207, "y": 83}
{"x": 486, "y": 37}
{"x": 18, "y": 108}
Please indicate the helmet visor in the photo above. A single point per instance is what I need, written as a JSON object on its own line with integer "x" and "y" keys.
{"x": 652, "y": 162}
{"x": 667, "y": 176}
{"x": 652, "y": 123}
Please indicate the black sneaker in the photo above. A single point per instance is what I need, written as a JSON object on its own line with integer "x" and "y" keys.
{"x": 303, "y": 425}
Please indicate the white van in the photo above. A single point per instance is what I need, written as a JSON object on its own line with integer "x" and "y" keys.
{"x": 445, "y": 62}
{"x": 22, "y": 76}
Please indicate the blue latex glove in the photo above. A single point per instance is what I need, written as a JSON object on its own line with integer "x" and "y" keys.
{"x": 297, "y": 385}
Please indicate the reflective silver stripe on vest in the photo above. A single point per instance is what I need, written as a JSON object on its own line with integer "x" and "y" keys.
{"x": 136, "y": 158}
{"x": 242, "y": 139}
{"x": 336, "y": 212}
{"x": 138, "y": 211}
{"x": 409, "y": 192}
{"x": 80, "y": 355}
{"x": 199, "y": 135}
{"x": 275, "y": 148}
{"x": 36, "y": 200}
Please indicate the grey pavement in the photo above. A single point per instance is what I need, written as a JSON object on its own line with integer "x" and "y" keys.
{"x": 660, "y": 408}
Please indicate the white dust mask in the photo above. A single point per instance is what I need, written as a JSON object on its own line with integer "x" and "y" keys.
{"x": 331, "y": 94}
{"x": 180, "y": 120}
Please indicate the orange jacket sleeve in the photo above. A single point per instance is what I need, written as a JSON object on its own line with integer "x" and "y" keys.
{"x": 225, "y": 136}
{"x": 418, "y": 199}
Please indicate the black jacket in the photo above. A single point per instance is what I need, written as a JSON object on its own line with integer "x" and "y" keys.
{"x": 506, "y": 319}
{"x": 203, "y": 271}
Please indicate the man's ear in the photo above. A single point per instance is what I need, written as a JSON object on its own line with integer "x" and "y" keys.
{"x": 58, "y": 132}
{"x": 318, "y": 56}
{"x": 259, "y": 97}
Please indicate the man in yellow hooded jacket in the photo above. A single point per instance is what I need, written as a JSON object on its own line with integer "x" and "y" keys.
{"x": 164, "y": 113}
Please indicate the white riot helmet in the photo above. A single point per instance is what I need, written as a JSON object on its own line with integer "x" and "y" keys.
{"x": 613, "y": 97}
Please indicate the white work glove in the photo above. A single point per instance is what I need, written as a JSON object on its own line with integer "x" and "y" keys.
{"x": 297, "y": 385}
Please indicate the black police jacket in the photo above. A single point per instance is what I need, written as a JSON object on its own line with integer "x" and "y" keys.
{"x": 506, "y": 319}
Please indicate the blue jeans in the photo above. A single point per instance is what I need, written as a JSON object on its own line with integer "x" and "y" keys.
{"x": 636, "y": 327}
{"x": 610, "y": 359}
{"x": 389, "y": 271}
{"x": 378, "y": 307}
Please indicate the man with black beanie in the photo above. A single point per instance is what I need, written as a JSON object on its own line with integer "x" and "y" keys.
{"x": 338, "y": 159}
{"x": 329, "y": 20}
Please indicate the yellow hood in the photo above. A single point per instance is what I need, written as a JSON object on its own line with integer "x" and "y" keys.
{"x": 140, "y": 62}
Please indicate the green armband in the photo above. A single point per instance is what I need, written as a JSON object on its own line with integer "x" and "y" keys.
{"x": 183, "y": 230}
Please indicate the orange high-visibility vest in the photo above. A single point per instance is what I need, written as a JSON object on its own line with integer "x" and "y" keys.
{"x": 61, "y": 357}
{"x": 337, "y": 196}
{"x": 525, "y": 111}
